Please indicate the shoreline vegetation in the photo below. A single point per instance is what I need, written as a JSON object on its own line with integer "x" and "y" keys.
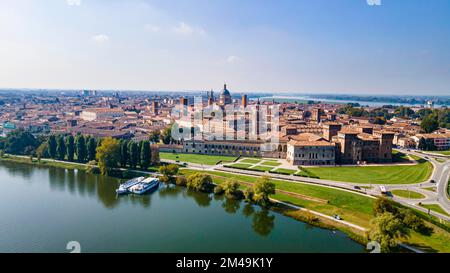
{"x": 351, "y": 207}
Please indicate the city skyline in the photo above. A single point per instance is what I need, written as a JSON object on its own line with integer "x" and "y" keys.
{"x": 288, "y": 46}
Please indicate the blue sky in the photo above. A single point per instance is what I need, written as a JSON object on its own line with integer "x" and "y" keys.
{"x": 323, "y": 46}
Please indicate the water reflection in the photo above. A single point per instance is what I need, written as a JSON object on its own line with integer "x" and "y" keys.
{"x": 263, "y": 222}
{"x": 102, "y": 188}
{"x": 231, "y": 206}
{"x": 202, "y": 199}
{"x": 248, "y": 210}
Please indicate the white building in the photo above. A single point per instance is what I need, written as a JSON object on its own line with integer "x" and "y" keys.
{"x": 101, "y": 113}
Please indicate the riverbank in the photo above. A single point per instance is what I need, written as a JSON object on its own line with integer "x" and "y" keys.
{"x": 351, "y": 207}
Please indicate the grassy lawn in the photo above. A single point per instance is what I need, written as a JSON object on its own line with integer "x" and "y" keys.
{"x": 399, "y": 156}
{"x": 44, "y": 162}
{"x": 271, "y": 163}
{"x": 250, "y": 161}
{"x": 197, "y": 158}
{"x": 284, "y": 171}
{"x": 241, "y": 165}
{"x": 430, "y": 189}
{"x": 435, "y": 208}
{"x": 401, "y": 174}
{"x": 441, "y": 152}
{"x": 408, "y": 194}
{"x": 440, "y": 160}
{"x": 262, "y": 168}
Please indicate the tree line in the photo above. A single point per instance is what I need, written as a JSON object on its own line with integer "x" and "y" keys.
{"x": 108, "y": 153}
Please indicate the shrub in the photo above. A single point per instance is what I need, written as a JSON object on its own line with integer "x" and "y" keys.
{"x": 200, "y": 182}
{"x": 218, "y": 190}
{"x": 231, "y": 188}
{"x": 249, "y": 194}
{"x": 93, "y": 169}
{"x": 181, "y": 181}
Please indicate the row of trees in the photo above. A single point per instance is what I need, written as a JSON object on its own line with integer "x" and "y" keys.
{"x": 62, "y": 147}
{"x": 392, "y": 223}
{"x": 112, "y": 154}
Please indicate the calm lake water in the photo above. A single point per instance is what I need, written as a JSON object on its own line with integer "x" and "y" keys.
{"x": 42, "y": 209}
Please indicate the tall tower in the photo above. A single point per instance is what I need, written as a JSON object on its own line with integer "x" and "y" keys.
{"x": 244, "y": 101}
{"x": 210, "y": 98}
{"x": 155, "y": 107}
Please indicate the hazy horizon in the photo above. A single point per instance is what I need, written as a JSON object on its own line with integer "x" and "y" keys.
{"x": 288, "y": 46}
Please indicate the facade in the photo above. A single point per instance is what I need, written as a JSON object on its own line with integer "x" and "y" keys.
{"x": 101, "y": 113}
{"x": 355, "y": 147}
{"x": 441, "y": 141}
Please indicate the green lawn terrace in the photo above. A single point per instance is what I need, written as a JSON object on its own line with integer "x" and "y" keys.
{"x": 385, "y": 174}
{"x": 197, "y": 158}
{"x": 405, "y": 170}
{"x": 269, "y": 165}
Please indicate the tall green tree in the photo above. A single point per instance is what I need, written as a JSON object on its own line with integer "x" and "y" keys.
{"x": 199, "y": 182}
{"x": 91, "y": 148}
{"x": 124, "y": 154}
{"x": 429, "y": 124}
{"x": 52, "y": 146}
{"x": 70, "y": 146}
{"x": 387, "y": 229}
{"x": 108, "y": 155}
{"x": 155, "y": 155}
{"x": 262, "y": 189}
{"x": 81, "y": 148}
{"x": 134, "y": 154}
{"x": 20, "y": 142}
{"x": 146, "y": 156}
{"x": 60, "y": 148}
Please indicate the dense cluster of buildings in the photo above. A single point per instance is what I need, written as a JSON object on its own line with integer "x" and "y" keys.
{"x": 301, "y": 133}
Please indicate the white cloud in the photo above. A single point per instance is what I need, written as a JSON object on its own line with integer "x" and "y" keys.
{"x": 184, "y": 29}
{"x": 100, "y": 38}
{"x": 73, "y": 2}
{"x": 233, "y": 59}
{"x": 152, "y": 28}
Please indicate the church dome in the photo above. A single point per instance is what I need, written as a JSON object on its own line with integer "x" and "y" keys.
{"x": 225, "y": 91}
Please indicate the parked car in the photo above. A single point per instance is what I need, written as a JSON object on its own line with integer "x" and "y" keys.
{"x": 357, "y": 187}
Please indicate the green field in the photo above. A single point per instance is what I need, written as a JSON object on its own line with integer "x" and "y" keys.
{"x": 399, "y": 174}
{"x": 250, "y": 161}
{"x": 241, "y": 166}
{"x": 284, "y": 171}
{"x": 408, "y": 194}
{"x": 352, "y": 207}
{"x": 399, "y": 156}
{"x": 271, "y": 163}
{"x": 197, "y": 158}
{"x": 435, "y": 208}
{"x": 441, "y": 152}
{"x": 261, "y": 168}
{"x": 441, "y": 160}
